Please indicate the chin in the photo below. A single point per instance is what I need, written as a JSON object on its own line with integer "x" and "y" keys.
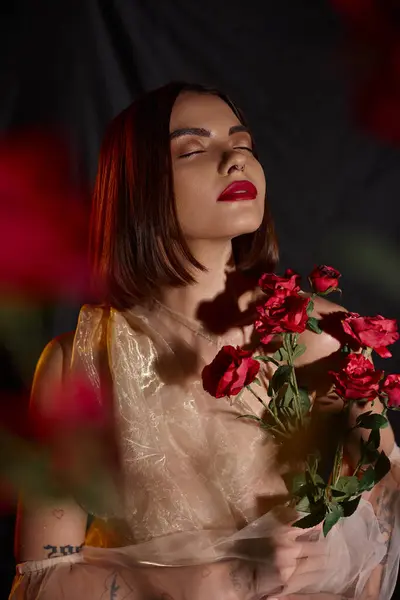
{"x": 249, "y": 225}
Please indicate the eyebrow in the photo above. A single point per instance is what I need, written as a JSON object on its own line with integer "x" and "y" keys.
{"x": 205, "y": 132}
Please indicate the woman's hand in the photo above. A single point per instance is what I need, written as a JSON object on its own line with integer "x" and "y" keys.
{"x": 301, "y": 561}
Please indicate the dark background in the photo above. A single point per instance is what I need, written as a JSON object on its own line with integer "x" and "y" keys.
{"x": 333, "y": 185}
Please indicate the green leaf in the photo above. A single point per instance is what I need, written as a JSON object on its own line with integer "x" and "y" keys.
{"x": 369, "y": 449}
{"x": 319, "y": 482}
{"x": 313, "y": 325}
{"x": 332, "y": 518}
{"x": 310, "y": 520}
{"x": 303, "y": 505}
{"x": 374, "y": 439}
{"x": 310, "y": 307}
{"x": 367, "y": 481}
{"x": 298, "y": 481}
{"x": 350, "y": 506}
{"x": 382, "y": 466}
{"x": 338, "y": 496}
{"x": 268, "y": 359}
{"x": 299, "y": 350}
{"x": 370, "y": 420}
{"x": 281, "y": 376}
{"x": 287, "y": 399}
{"x": 304, "y": 401}
{"x": 280, "y": 354}
{"x": 329, "y": 291}
{"x": 315, "y": 486}
{"x": 258, "y": 419}
{"x": 346, "y": 484}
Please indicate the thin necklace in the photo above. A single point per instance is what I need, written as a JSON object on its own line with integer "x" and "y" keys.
{"x": 190, "y": 324}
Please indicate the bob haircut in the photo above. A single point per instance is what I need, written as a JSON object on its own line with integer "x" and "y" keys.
{"x": 136, "y": 244}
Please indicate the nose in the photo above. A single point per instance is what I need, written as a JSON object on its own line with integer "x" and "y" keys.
{"x": 232, "y": 161}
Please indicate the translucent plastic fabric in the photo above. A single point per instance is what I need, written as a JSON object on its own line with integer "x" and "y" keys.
{"x": 197, "y": 485}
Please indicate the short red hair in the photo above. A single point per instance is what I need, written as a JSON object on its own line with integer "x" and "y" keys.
{"x": 136, "y": 244}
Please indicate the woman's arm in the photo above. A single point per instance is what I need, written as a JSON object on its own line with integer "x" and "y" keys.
{"x": 47, "y": 529}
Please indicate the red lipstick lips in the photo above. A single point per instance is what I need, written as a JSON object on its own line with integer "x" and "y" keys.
{"x": 238, "y": 190}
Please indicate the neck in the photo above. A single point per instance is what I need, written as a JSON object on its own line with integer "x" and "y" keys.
{"x": 209, "y": 284}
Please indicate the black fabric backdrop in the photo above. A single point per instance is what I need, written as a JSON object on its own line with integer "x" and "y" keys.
{"x": 332, "y": 187}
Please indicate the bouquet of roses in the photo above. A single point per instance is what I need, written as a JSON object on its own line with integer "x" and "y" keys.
{"x": 285, "y": 314}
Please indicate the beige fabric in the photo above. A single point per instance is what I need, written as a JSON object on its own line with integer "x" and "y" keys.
{"x": 195, "y": 480}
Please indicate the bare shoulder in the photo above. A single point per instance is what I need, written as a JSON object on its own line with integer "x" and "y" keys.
{"x": 52, "y": 367}
{"x": 321, "y": 345}
{"x": 323, "y": 306}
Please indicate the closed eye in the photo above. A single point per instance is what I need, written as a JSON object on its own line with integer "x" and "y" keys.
{"x": 244, "y": 148}
{"x": 187, "y": 154}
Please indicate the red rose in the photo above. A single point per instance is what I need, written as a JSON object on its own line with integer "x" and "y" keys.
{"x": 230, "y": 371}
{"x": 281, "y": 314}
{"x": 274, "y": 285}
{"x": 391, "y": 387}
{"x": 43, "y": 219}
{"x": 358, "y": 379}
{"x": 324, "y": 279}
{"x": 372, "y": 332}
{"x": 75, "y": 404}
{"x": 291, "y": 273}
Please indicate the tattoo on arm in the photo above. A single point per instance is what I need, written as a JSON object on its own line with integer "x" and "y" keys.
{"x": 57, "y": 551}
{"x": 385, "y": 513}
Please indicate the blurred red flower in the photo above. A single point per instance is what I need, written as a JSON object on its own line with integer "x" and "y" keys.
{"x": 43, "y": 218}
{"x": 373, "y": 56}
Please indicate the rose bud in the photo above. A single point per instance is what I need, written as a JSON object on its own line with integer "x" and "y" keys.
{"x": 324, "y": 279}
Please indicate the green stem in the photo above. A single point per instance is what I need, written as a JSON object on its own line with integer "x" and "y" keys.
{"x": 277, "y": 420}
{"x": 289, "y": 349}
{"x": 356, "y": 470}
{"x": 367, "y": 352}
{"x": 338, "y": 463}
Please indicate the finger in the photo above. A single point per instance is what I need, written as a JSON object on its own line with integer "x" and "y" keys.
{"x": 307, "y": 573}
{"x": 295, "y": 580}
{"x": 295, "y": 532}
{"x": 297, "y": 550}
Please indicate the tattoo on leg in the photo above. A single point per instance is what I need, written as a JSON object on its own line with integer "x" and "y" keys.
{"x": 243, "y": 576}
{"x": 117, "y": 588}
{"x": 57, "y": 551}
{"x": 114, "y": 587}
{"x": 234, "y": 574}
{"x": 58, "y": 513}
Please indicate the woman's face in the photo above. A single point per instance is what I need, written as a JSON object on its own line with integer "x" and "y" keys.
{"x": 211, "y": 150}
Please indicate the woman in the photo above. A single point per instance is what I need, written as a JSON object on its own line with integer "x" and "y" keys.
{"x": 180, "y": 234}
